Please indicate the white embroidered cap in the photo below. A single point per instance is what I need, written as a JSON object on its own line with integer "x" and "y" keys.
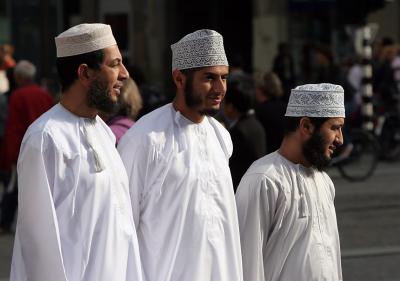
{"x": 84, "y": 38}
{"x": 316, "y": 100}
{"x": 203, "y": 47}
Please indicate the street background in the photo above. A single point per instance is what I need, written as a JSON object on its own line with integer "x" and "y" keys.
{"x": 368, "y": 217}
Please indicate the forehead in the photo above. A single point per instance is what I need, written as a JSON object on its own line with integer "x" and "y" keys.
{"x": 335, "y": 121}
{"x": 111, "y": 53}
{"x": 216, "y": 70}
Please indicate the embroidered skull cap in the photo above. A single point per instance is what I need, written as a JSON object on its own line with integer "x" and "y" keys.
{"x": 84, "y": 38}
{"x": 316, "y": 100}
{"x": 201, "y": 48}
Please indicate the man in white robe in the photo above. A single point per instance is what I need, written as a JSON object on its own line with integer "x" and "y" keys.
{"x": 74, "y": 218}
{"x": 180, "y": 184}
{"x": 285, "y": 200}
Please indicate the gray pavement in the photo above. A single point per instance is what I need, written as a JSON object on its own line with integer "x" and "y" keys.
{"x": 369, "y": 225}
{"x": 368, "y": 218}
{"x": 6, "y": 243}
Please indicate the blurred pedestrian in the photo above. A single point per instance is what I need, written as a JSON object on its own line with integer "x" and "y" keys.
{"x": 385, "y": 85}
{"x": 6, "y": 62}
{"x": 236, "y": 67}
{"x": 270, "y": 108}
{"x": 26, "y": 104}
{"x": 126, "y": 111}
{"x": 283, "y": 67}
{"x": 287, "y": 218}
{"x": 152, "y": 96}
{"x": 247, "y": 133}
{"x": 74, "y": 213}
{"x": 180, "y": 184}
{"x": 325, "y": 69}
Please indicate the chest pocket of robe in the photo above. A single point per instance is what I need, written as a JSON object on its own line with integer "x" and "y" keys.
{"x": 175, "y": 173}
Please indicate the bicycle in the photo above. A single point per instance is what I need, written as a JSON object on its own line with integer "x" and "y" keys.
{"x": 359, "y": 162}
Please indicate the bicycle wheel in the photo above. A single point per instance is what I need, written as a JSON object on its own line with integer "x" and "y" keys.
{"x": 363, "y": 159}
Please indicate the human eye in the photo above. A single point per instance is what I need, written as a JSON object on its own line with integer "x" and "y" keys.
{"x": 337, "y": 127}
{"x": 209, "y": 77}
{"x": 116, "y": 63}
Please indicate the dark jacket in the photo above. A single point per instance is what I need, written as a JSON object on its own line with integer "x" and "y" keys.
{"x": 271, "y": 114}
{"x": 248, "y": 138}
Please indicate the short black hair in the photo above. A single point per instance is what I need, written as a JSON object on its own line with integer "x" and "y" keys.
{"x": 292, "y": 123}
{"x": 67, "y": 66}
{"x": 240, "y": 93}
{"x": 190, "y": 71}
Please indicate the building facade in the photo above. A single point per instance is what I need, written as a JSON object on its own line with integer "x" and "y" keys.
{"x": 145, "y": 29}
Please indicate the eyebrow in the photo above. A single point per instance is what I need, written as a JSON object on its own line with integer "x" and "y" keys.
{"x": 216, "y": 74}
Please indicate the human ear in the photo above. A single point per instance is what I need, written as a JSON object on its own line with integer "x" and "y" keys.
{"x": 306, "y": 126}
{"x": 179, "y": 79}
{"x": 84, "y": 74}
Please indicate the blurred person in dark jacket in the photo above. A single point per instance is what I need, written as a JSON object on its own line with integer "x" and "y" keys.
{"x": 270, "y": 108}
{"x": 247, "y": 133}
{"x": 283, "y": 66}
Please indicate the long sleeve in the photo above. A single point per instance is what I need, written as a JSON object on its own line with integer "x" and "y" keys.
{"x": 135, "y": 158}
{"x": 37, "y": 228}
{"x": 256, "y": 203}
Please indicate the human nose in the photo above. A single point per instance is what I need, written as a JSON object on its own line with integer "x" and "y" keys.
{"x": 123, "y": 73}
{"x": 220, "y": 85}
{"x": 339, "y": 137}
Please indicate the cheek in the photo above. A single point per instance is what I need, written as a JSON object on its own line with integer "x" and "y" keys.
{"x": 112, "y": 76}
{"x": 205, "y": 88}
{"x": 327, "y": 140}
{"x": 202, "y": 90}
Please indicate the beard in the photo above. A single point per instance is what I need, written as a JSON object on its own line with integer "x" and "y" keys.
{"x": 314, "y": 151}
{"x": 195, "y": 100}
{"x": 99, "y": 97}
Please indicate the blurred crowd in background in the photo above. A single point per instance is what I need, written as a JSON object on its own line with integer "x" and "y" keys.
{"x": 253, "y": 111}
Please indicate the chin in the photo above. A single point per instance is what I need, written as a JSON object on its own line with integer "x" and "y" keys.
{"x": 210, "y": 111}
{"x": 215, "y": 107}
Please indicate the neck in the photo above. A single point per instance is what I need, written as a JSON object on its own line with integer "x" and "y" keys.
{"x": 75, "y": 102}
{"x": 291, "y": 149}
{"x": 189, "y": 113}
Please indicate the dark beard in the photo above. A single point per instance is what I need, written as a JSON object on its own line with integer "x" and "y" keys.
{"x": 313, "y": 151}
{"x": 99, "y": 97}
{"x": 193, "y": 101}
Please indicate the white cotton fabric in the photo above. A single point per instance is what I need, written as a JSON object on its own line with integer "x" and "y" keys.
{"x": 316, "y": 100}
{"x": 84, "y": 38}
{"x": 183, "y": 201}
{"x": 204, "y": 47}
{"x": 74, "y": 215}
{"x": 287, "y": 222}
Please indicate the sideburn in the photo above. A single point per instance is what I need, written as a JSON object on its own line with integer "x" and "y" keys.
{"x": 190, "y": 99}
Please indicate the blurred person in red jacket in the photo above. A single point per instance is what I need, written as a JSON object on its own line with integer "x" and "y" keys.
{"x": 7, "y": 64}
{"x": 26, "y": 103}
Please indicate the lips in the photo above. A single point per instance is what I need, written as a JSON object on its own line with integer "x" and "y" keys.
{"x": 117, "y": 88}
{"x": 215, "y": 100}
